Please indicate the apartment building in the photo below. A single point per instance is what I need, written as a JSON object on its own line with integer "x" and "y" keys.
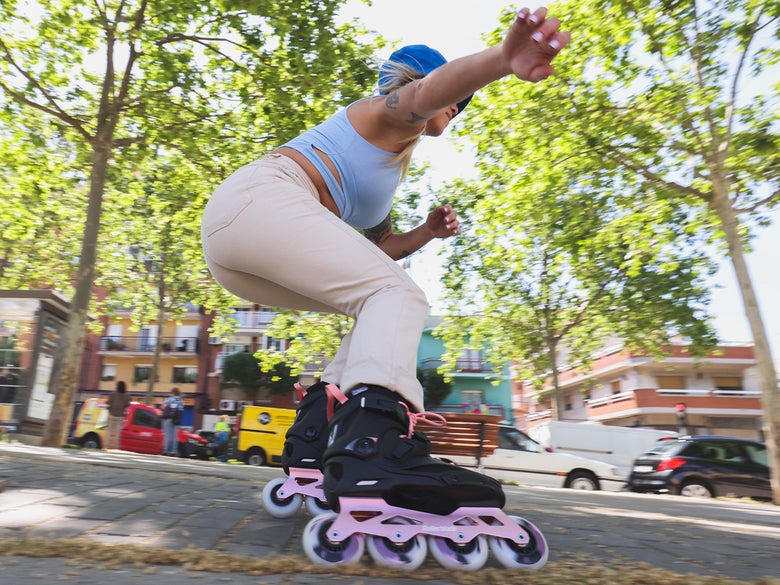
{"x": 719, "y": 394}
{"x": 126, "y": 353}
{"x": 475, "y": 387}
{"x": 249, "y": 336}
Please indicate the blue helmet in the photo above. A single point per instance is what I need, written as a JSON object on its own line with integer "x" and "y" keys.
{"x": 422, "y": 59}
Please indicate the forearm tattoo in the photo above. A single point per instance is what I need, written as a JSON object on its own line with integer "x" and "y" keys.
{"x": 391, "y": 103}
{"x": 379, "y": 232}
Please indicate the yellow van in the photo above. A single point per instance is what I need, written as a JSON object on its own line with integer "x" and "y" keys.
{"x": 260, "y": 434}
{"x": 91, "y": 423}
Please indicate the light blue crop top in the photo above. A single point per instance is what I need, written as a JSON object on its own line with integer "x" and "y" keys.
{"x": 368, "y": 177}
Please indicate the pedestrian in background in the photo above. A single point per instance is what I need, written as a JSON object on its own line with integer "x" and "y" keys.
{"x": 118, "y": 402}
{"x": 173, "y": 408}
{"x": 222, "y": 438}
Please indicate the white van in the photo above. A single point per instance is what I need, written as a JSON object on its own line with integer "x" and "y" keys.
{"x": 618, "y": 446}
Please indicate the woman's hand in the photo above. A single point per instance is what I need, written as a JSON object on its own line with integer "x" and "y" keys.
{"x": 531, "y": 44}
{"x": 443, "y": 222}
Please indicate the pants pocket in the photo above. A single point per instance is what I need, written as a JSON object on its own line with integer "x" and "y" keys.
{"x": 221, "y": 211}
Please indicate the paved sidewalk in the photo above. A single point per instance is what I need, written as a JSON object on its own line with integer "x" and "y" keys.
{"x": 162, "y": 505}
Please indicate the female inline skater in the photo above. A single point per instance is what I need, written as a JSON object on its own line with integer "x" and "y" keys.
{"x": 283, "y": 232}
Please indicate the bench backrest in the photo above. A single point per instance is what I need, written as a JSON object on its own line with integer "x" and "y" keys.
{"x": 474, "y": 435}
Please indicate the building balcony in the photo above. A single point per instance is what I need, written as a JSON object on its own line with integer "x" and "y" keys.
{"x": 657, "y": 400}
{"x": 540, "y": 416}
{"x": 463, "y": 365}
{"x": 253, "y": 319}
{"x": 144, "y": 345}
{"x": 308, "y": 368}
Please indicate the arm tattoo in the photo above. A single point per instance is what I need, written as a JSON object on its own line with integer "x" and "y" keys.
{"x": 377, "y": 233}
{"x": 392, "y": 101}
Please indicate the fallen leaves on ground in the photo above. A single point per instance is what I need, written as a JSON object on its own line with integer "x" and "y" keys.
{"x": 580, "y": 570}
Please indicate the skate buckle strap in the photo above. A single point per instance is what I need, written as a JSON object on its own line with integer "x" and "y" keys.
{"x": 334, "y": 393}
{"x": 432, "y": 418}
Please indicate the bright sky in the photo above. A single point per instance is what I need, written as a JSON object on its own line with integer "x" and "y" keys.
{"x": 456, "y": 29}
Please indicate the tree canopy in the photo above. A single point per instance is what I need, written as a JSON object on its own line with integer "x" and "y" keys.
{"x": 101, "y": 93}
{"x": 661, "y": 124}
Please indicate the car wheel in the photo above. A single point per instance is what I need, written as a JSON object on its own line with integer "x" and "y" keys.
{"x": 91, "y": 441}
{"x": 582, "y": 480}
{"x": 255, "y": 457}
{"x": 696, "y": 489}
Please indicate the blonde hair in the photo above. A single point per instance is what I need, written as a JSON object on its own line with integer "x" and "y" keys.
{"x": 396, "y": 75}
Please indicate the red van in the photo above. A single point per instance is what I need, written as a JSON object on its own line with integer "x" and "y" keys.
{"x": 141, "y": 432}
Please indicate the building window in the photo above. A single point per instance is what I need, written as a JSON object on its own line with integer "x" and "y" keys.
{"x": 184, "y": 374}
{"x": 472, "y": 396}
{"x": 470, "y": 361}
{"x": 671, "y": 382}
{"x": 148, "y": 338}
{"x": 231, "y": 348}
{"x": 730, "y": 383}
{"x": 272, "y": 343}
{"x": 142, "y": 373}
{"x": 109, "y": 372}
{"x": 114, "y": 332}
{"x": 615, "y": 385}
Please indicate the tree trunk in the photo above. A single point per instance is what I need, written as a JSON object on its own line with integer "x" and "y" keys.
{"x": 66, "y": 375}
{"x": 153, "y": 375}
{"x": 763, "y": 352}
{"x": 558, "y": 405}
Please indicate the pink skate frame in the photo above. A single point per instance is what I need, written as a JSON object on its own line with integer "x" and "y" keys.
{"x": 373, "y": 516}
{"x": 307, "y": 482}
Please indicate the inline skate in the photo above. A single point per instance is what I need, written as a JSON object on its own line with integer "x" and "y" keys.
{"x": 389, "y": 495}
{"x": 302, "y": 458}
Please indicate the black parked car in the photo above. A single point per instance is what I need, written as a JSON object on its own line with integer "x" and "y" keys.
{"x": 705, "y": 467}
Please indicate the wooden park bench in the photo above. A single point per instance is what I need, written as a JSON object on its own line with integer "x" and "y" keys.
{"x": 465, "y": 435}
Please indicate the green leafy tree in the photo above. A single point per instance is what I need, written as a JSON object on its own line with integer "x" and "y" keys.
{"x": 243, "y": 369}
{"x": 311, "y": 341}
{"x": 556, "y": 270}
{"x": 121, "y": 81}
{"x": 152, "y": 233}
{"x": 436, "y": 387}
{"x": 670, "y": 103}
{"x": 39, "y": 218}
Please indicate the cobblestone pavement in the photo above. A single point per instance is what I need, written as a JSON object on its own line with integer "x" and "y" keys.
{"x": 168, "y": 504}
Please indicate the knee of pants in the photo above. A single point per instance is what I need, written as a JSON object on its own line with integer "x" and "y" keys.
{"x": 409, "y": 296}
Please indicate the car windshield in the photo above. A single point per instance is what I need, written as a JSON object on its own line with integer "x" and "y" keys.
{"x": 517, "y": 441}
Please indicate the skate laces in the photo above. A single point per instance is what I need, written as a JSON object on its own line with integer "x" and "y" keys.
{"x": 334, "y": 393}
{"x": 432, "y": 418}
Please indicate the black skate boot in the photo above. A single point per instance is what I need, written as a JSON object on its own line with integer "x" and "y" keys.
{"x": 307, "y": 438}
{"x": 302, "y": 458}
{"x": 373, "y": 451}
